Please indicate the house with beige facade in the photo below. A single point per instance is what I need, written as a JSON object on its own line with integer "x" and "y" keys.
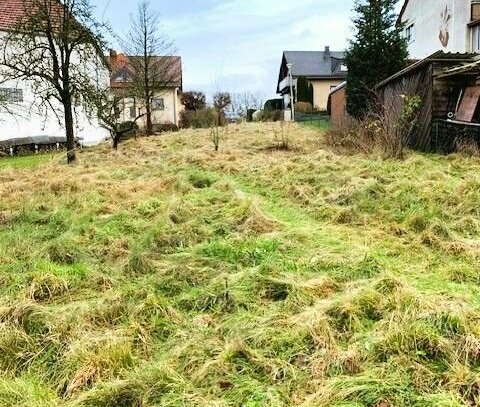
{"x": 324, "y": 71}
{"x": 441, "y": 25}
{"x": 166, "y": 104}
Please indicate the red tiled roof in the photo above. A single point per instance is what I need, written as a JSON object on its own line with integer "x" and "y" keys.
{"x": 120, "y": 64}
{"x": 11, "y": 11}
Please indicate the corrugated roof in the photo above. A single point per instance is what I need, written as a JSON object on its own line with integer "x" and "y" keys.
{"x": 470, "y": 68}
{"x": 314, "y": 63}
{"x": 438, "y": 56}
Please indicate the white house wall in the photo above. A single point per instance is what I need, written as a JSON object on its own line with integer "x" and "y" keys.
{"x": 19, "y": 120}
{"x": 429, "y": 21}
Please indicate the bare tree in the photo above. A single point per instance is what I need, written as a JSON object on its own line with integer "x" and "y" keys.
{"x": 221, "y": 101}
{"x": 108, "y": 106}
{"x": 242, "y": 102}
{"x": 150, "y": 56}
{"x": 56, "y": 47}
{"x": 194, "y": 100}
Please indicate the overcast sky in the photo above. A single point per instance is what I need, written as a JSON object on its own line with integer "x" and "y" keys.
{"x": 236, "y": 45}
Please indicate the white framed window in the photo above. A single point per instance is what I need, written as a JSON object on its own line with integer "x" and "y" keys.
{"x": 476, "y": 38}
{"x": 410, "y": 33}
{"x": 11, "y": 95}
{"x": 158, "y": 104}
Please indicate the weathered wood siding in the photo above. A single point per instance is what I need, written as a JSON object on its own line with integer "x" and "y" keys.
{"x": 420, "y": 83}
{"x": 439, "y": 96}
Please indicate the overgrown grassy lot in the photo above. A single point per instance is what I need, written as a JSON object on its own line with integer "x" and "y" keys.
{"x": 168, "y": 275}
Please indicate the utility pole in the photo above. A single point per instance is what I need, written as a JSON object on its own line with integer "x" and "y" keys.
{"x": 292, "y": 100}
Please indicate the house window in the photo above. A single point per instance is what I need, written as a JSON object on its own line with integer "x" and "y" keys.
{"x": 158, "y": 104}
{"x": 475, "y": 11}
{"x": 133, "y": 110}
{"x": 121, "y": 76}
{"x": 11, "y": 95}
{"x": 410, "y": 33}
{"x": 476, "y": 38}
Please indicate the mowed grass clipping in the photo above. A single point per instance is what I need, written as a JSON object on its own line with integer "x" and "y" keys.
{"x": 170, "y": 275}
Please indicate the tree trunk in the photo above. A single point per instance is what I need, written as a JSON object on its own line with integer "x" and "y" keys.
{"x": 69, "y": 127}
{"x": 116, "y": 141}
{"x": 149, "y": 119}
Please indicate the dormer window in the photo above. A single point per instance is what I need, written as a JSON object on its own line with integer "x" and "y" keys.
{"x": 122, "y": 76}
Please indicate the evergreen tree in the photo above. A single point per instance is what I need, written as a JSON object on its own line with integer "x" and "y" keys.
{"x": 302, "y": 89}
{"x": 310, "y": 95}
{"x": 378, "y": 51}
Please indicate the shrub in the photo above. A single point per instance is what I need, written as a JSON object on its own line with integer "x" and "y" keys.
{"x": 394, "y": 125}
{"x": 303, "y": 107}
{"x": 466, "y": 146}
{"x": 385, "y": 130}
{"x": 193, "y": 100}
{"x": 271, "y": 116}
{"x": 199, "y": 119}
{"x": 303, "y": 90}
{"x": 165, "y": 127}
{"x": 273, "y": 104}
{"x": 131, "y": 126}
{"x": 351, "y": 136}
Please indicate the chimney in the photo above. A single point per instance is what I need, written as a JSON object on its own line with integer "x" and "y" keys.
{"x": 113, "y": 53}
{"x": 327, "y": 52}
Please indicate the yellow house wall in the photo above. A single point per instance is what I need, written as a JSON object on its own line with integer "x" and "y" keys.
{"x": 321, "y": 90}
{"x": 167, "y": 115}
{"x": 170, "y": 114}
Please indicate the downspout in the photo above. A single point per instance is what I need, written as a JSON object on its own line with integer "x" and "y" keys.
{"x": 175, "y": 101}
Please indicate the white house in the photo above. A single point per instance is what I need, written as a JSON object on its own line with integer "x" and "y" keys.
{"x": 441, "y": 25}
{"x": 21, "y": 117}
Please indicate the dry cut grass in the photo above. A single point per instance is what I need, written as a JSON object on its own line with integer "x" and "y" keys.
{"x": 170, "y": 275}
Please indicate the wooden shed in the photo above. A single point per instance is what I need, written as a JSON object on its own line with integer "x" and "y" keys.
{"x": 337, "y": 104}
{"x": 449, "y": 88}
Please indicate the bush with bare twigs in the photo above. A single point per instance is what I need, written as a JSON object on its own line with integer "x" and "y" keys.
{"x": 385, "y": 130}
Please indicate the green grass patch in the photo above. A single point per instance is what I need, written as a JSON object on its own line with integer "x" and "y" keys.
{"x": 318, "y": 124}
{"x": 29, "y": 161}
